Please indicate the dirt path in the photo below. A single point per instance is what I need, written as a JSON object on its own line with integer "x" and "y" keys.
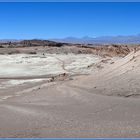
{"x": 63, "y": 67}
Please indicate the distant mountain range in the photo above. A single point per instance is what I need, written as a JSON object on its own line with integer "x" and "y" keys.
{"x": 9, "y": 40}
{"x": 134, "y": 39}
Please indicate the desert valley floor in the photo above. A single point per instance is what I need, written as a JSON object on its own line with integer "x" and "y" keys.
{"x": 47, "y": 94}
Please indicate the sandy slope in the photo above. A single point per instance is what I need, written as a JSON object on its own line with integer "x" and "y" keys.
{"x": 119, "y": 79}
{"x": 87, "y": 106}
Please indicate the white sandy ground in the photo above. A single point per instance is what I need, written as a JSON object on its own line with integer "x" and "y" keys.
{"x": 24, "y": 65}
{"x": 30, "y": 65}
{"x": 94, "y": 105}
{"x": 12, "y": 83}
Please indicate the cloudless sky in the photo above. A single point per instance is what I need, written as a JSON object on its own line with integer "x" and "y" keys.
{"x": 69, "y": 0}
{"x": 59, "y": 20}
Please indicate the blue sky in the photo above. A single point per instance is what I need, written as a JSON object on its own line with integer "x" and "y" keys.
{"x": 59, "y": 20}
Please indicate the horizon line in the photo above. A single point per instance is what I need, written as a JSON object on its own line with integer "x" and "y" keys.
{"x": 86, "y": 36}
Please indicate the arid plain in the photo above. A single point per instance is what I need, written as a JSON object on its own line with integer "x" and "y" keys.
{"x": 66, "y": 90}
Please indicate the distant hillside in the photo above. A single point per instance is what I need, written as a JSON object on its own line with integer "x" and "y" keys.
{"x": 30, "y": 43}
{"x": 133, "y": 39}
